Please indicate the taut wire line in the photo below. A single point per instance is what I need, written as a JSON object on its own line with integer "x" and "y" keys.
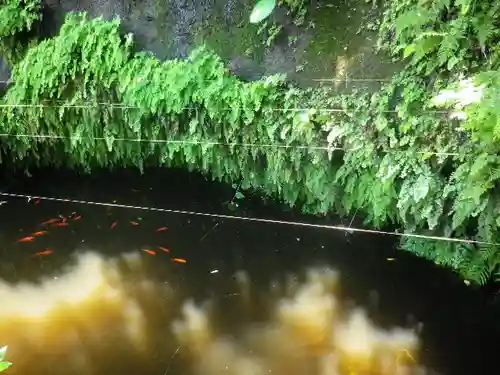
{"x": 125, "y": 106}
{"x": 210, "y": 143}
{"x": 253, "y": 219}
{"x": 314, "y": 79}
{"x": 351, "y": 79}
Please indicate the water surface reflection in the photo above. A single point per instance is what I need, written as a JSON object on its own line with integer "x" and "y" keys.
{"x": 110, "y": 316}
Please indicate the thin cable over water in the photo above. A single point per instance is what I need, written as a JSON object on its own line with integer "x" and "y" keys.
{"x": 254, "y": 219}
{"x": 210, "y": 143}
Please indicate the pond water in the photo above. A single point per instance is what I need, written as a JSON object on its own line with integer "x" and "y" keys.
{"x": 242, "y": 298}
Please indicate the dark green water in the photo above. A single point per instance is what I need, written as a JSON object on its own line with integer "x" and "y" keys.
{"x": 460, "y": 329}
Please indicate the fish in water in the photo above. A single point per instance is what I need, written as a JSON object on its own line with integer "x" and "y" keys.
{"x": 42, "y": 253}
{"x": 134, "y": 223}
{"x": 162, "y": 229}
{"x": 179, "y": 260}
{"x": 114, "y": 224}
{"x": 40, "y": 233}
{"x": 164, "y": 249}
{"x": 150, "y": 252}
{"x": 51, "y": 221}
{"x": 26, "y": 239}
{"x": 62, "y": 224}
{"x": 77, "y": 218}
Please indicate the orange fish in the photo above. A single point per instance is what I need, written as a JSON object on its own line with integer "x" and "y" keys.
{"x": 114, "y": 224}
{"x": 46, "y": 252}
{"x": 77, "y": 218}
{"x": 150, "y": 252}
{"x": 164, "y": 249}
{"x": 162, "y": 229}
{"x": 51, "y": 221}
{"x": 134, "y": 223}
{"x": 40, "y": 233}
{"x": 179, "y": 260}
{"x": 26, "y": 239}
{"x": 62, "y": 224}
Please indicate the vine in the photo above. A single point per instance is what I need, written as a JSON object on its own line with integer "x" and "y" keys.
{"x": 404, "y": 163}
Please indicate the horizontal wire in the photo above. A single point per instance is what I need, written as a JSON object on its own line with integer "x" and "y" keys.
{"x": 253, "y": 219}
{"x": 313, "y": 79}
{"x": 352, "y": 79}
{"x": 210, "y": 143}
{"x": 124, "y": 106}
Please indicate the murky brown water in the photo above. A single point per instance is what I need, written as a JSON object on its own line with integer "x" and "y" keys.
{"x": 122, "y": 315}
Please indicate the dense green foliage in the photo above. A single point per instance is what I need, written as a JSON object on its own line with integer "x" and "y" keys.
{"x": 17, "y": 18}
{"x": 403, "y": 163}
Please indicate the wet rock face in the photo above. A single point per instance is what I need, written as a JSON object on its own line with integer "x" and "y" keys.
{"x": 246, "y": 69}
{"x": 327, "y": 46}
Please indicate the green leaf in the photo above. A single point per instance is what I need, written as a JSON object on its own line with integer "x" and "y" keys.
{"x": 239, "y": 195}
{"x": 381, "y": 123}
{"x": 452, "y": 62}
{"x": 261, "y": 10}
{"x": 5, "y": 365}
{"x": 409, "y": 50}
{"x": 421, "y": 188}
{"x": 3, "y": 351}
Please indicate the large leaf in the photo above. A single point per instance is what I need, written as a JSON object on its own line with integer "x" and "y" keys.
{"x": 261, "y": 10}
{"x": 5, "y": 365}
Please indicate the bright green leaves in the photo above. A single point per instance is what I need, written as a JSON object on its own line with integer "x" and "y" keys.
{"x": 4, "y": 365}
{"x": 17, "y": 16}
{"x": 262, "y": 10}
{"x": 440, "y": 35}
{"x": 16, "y": 19}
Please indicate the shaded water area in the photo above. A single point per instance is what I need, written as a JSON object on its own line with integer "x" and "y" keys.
{"x": 243, "y": 303}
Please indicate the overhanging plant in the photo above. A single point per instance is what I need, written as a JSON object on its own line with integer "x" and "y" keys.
{"x": 4, "y": 365}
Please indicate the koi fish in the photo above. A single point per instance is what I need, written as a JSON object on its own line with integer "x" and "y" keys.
{"x": 179, "y": 260}
{"x": 77, "y": 218}
{"x": 150, "y": 252}
{"x": 51, "y": 221}
{"x": 134, "y": 223}
{"x": 26, "y": 239}
{"x": 62, "y": 224}
{"x": 46, "y": 252}
{"x": 162, "y": 229}
{"x": 114, "y": 224}
{"x": 40, "y": 233}
{"x": 164, "y": 249}
{"x": 37, "y": 201}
